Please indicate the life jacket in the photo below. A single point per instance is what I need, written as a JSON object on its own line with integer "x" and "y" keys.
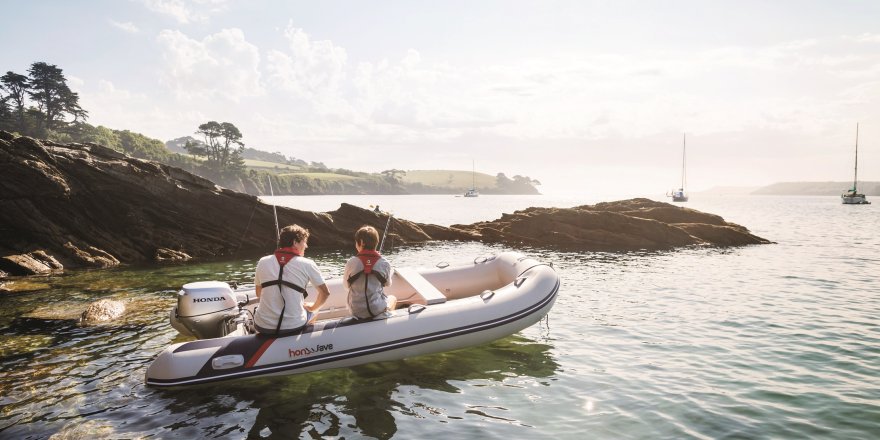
{"x": 284, "y": 255}
{"x": 368, "y": 258}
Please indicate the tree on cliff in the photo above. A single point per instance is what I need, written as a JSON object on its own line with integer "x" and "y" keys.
{"x": 16, "y": 87}
{"x": 517, "y": 185}
{"x": 5, "y": 114}
{"x": 54, "y": 99}
{"x": 222, "y": 148}
{"x": 393, "y": 175}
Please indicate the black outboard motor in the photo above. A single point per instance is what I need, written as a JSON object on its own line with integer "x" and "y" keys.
{"x": 207, "y": 309}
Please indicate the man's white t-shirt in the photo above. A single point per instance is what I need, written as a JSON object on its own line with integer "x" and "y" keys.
{"x": 299, "y": 271}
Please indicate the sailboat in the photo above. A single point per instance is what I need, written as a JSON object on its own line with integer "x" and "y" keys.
{"x": 852, "y": 197}
{"x": 473, "y": 191}
{"x": 680, "y": 195}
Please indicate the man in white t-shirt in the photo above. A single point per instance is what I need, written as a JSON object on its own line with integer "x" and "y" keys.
{"x": 282, "y": 307}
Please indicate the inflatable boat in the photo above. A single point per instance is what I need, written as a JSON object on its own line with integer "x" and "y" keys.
{"x": 439, "y": 309}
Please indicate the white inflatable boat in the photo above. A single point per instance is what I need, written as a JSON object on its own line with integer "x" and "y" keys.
{"x": 449, "y": 307}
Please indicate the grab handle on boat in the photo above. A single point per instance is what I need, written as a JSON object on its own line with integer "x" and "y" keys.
{"x": 416, "y": 308}
{"x": 483, "y": 258}
{"x": 519, "y": 280}
{"x": 487, "y": 294}
{"x": 228, "y": 361}
{"x": 442, "y": 265}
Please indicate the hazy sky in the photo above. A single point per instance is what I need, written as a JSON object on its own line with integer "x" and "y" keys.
{"x": 585, "y": 96}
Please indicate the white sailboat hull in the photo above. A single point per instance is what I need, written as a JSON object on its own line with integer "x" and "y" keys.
{"x": 854, "y": 199}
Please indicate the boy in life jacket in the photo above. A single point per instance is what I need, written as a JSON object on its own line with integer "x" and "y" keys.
{"x": 281, "y": 280}
{"x": 365, "y": 275}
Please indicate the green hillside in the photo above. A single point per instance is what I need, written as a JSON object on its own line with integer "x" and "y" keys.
{"x": 261, "y": 165}
{"x": 332, "y": 177}
{"x": 294, "y": 179}
{"x": 448, "y": 179}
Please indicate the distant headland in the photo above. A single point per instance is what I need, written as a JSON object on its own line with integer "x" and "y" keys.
{"x": 795, "y": 189}
{"x": 816, "y": 188}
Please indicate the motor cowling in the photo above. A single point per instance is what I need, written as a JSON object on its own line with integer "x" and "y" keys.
{"x": 204, "y": 309}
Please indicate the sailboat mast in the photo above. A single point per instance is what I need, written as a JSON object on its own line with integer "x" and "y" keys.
{"x": 683, "y": 160}
{"x": 856, "y": 170}
{"x": 473, "y": 175}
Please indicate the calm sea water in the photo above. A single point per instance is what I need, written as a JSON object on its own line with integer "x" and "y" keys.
{"x": 773, "y": 341}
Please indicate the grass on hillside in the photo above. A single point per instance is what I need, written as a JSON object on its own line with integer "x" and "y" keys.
{"x": 322, "y": 176}
{"x": 449, "y": 178}
{"x": 263, "y": 165}
{"x": 453, "y": 179}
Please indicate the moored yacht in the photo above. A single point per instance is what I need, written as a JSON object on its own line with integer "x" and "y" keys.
{"x": 852, "y": 196}
{"x": 680, "y": 195}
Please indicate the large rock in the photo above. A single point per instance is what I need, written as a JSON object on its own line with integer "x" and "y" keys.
{"x": 628, "y": 225}
{"x": 102, "y": 310}
{"x": 31, "y": 263}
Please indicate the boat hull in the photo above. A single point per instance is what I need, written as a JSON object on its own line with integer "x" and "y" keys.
{"x": 466, "y": 319}
{"x": 857, "y": 199}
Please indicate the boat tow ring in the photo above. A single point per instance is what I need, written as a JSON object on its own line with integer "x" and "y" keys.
{"x": 519, "y": 280}
{"x": 416, "y": 308}
{"x": 487, "y": 294}
{"x": 442, "y": 265}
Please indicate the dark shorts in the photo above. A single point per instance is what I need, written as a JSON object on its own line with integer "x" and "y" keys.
{"x": 284, "y": 331}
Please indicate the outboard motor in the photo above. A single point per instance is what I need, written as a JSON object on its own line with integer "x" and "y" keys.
{"x": 204, "y": 309}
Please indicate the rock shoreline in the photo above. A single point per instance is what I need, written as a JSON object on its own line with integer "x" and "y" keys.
{"x": 88, "y": 206}
{"x": 626, "y": 225}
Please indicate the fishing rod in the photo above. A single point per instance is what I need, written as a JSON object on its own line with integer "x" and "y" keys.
{"x": 384, "y": 234}
{"x": 274, "y": 211}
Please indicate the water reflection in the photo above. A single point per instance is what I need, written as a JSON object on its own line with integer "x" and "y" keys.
{"x": 364, "y": 400}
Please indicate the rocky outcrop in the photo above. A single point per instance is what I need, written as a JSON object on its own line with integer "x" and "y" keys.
{"x": 628, "y": 225}
{"x": 89, "y": 206}
{"x": 31, "y": 263}
{"x": 84, "y": 205}
{"x": 102, "y": 310}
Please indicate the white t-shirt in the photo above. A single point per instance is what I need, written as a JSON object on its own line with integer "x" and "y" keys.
{"x": 299, "y": 271}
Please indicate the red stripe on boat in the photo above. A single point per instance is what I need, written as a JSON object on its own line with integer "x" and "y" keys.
{"x": 259, "y": 353}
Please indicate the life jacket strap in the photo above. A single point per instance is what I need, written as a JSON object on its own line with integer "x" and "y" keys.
{"x": 378, "y": 276}
{"x": 286, "y": 284}
{"x": 284, "y": 255}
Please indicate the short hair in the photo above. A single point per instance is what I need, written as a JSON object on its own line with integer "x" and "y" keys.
{"x": 368, "y": 236}
{"x": 292, "y": 234}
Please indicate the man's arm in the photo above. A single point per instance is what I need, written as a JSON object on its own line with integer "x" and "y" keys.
{"x": 323, "y": 294}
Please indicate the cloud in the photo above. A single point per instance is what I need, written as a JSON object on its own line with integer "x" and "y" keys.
{"x": 128, "y": 26}
{"x": 310, "y": 70}
{"x": 118, "y": 108}
{"x": 395, "y": 101}
{"x": 184, "y": 12}
{"x": 867, "y": 37}
{"x": 593, "y": 108}
{"x": 221, "y": 65}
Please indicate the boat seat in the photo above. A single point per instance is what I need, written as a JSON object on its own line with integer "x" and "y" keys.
{"x": 422, "y": 286}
